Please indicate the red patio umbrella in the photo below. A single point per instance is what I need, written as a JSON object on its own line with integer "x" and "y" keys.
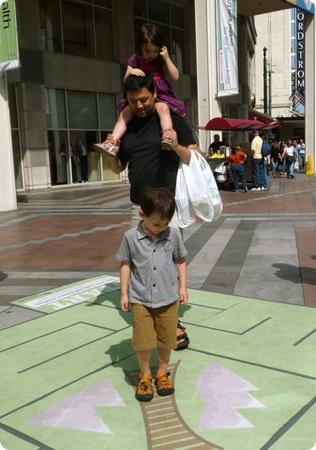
{"x": 227, "y": 124}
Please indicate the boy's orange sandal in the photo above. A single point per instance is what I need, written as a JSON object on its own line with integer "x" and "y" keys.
{"x": 163, "y": 385}
{"x": 144, "y": 389}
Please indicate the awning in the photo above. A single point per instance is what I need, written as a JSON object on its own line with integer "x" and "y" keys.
{"x": 227, "y": 124}
{"x": 270, "y": 122}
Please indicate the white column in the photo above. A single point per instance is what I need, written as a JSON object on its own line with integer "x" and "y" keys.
{"x": 310, "y": 92}
{"x": 7, "y": 178}
{"x": 205, "y": 26}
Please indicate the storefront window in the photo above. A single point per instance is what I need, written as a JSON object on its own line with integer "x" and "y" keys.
{"x": 16, "y": 147}
{"x": 58, "y": 156}
{"x": 82, "y": 107}
{"x": 107, "y": 104}
{"x": 17, "y": 159}
{"x": 85, "y": 161}
{"x": 12, "y": 107}
{"x": 77, "y": 28}
{"x": 56, "y": 117}
{"x": 73, "y": 158}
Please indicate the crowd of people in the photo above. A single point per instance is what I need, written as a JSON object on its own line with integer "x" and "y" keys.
{"x": 287, "y": 157}
{"x": 275, "y": 158}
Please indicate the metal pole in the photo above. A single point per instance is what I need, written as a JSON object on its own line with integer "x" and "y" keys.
{"x": 270, "y": 91}
{"x": 265, "y": 87}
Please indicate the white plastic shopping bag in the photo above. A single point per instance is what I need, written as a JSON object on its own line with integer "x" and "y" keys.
{"x": 197, "y": 193}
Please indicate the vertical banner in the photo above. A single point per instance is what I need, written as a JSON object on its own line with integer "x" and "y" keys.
{"x": 299, "y": 95}
{"x": 9, "y": 49}
{"x": 226, "y": 46}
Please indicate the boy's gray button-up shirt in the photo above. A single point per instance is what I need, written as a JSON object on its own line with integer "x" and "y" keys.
{"x": 153, "y": 280}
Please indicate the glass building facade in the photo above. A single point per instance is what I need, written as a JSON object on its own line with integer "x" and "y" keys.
{"x": 64, "y": 99}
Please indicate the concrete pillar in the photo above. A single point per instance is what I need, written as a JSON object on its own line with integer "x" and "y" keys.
{"x": 206, "y": 59}
{"x": 7, "y": 178}
{"x": 33, "y": 130}
{"x": 310, "y": 92}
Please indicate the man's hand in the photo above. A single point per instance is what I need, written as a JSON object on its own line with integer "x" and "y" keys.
{"x": 171, "y": 137}
{"x": 124, "y": 303}
{"x": 137, "y": 72}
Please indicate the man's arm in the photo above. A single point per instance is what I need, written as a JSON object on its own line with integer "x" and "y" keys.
{"x": 114, "y": 163}
{"x": 182, "y": 151}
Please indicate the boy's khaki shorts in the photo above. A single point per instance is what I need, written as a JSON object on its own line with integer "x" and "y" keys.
{"x": 154, "y": 327}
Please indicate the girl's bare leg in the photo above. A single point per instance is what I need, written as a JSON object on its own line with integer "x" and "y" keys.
{"x": 163, "y": 112}
{"x": 112, "y": 147}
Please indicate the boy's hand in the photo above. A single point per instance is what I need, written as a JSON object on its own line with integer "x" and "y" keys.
{"x": 183, "y": 296}
{"x": 124, "y": 303}
{"x": 164, "y": 52}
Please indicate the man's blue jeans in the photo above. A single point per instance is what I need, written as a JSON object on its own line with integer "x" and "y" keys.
{"x": 258, "y": 170}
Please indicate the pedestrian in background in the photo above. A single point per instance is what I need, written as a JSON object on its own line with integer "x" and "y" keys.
{"x": 257, "y": 162}
{"x": 237, "y": 160}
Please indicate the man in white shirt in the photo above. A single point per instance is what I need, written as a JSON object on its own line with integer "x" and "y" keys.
{"x": 257, "y": 162}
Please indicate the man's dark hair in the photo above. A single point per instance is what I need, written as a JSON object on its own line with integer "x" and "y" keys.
{"x": 135, "y": 83}
{"x": 148, "y": 33}
{"x": 158, "y": 200}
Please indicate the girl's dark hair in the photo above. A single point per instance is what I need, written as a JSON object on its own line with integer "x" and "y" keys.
{"x": 148, "y": 34}
{"x": 158, "y": 200}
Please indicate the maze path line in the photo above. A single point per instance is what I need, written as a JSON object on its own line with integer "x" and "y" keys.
{"x": 165, "y": 428}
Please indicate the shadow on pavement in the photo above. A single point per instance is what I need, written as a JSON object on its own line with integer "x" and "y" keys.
{"x": 296, "y": 274}
{"x": 3, "y": 276}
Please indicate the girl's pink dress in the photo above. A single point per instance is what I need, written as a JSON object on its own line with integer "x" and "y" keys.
{"x": 165, "y": 93}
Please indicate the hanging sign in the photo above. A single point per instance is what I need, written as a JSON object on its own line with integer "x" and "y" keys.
{"x": 9, "y": 49}
{"x": 226, "y": 46}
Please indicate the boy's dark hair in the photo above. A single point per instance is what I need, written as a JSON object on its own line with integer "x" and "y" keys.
{"x": 135, "y": 82}
{"x": 158, "y": 200}
{"x": 148, "y": 33}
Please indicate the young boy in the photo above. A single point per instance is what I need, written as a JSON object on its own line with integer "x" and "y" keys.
{"x": 153, "y": 280}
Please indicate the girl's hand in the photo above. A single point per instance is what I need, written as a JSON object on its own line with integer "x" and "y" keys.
{"x": 164, "y": 52}
{"x": 137, "y": 72}
{"x": 183, "y": 296}
{"x": 124, "y": 303}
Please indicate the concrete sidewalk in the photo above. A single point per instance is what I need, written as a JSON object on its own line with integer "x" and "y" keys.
{"x": 248, "y": 380}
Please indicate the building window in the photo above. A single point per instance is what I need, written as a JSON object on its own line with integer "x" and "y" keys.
{"x": 77, "y": 29}
{"x": 56, "y": 109}
{"x": 76, "y": 120}
{"x": 104, "y": 33}
{"x": 82, "y": 28}
{"x": 82, "y": 110}
{"x": 50, "y": 25}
